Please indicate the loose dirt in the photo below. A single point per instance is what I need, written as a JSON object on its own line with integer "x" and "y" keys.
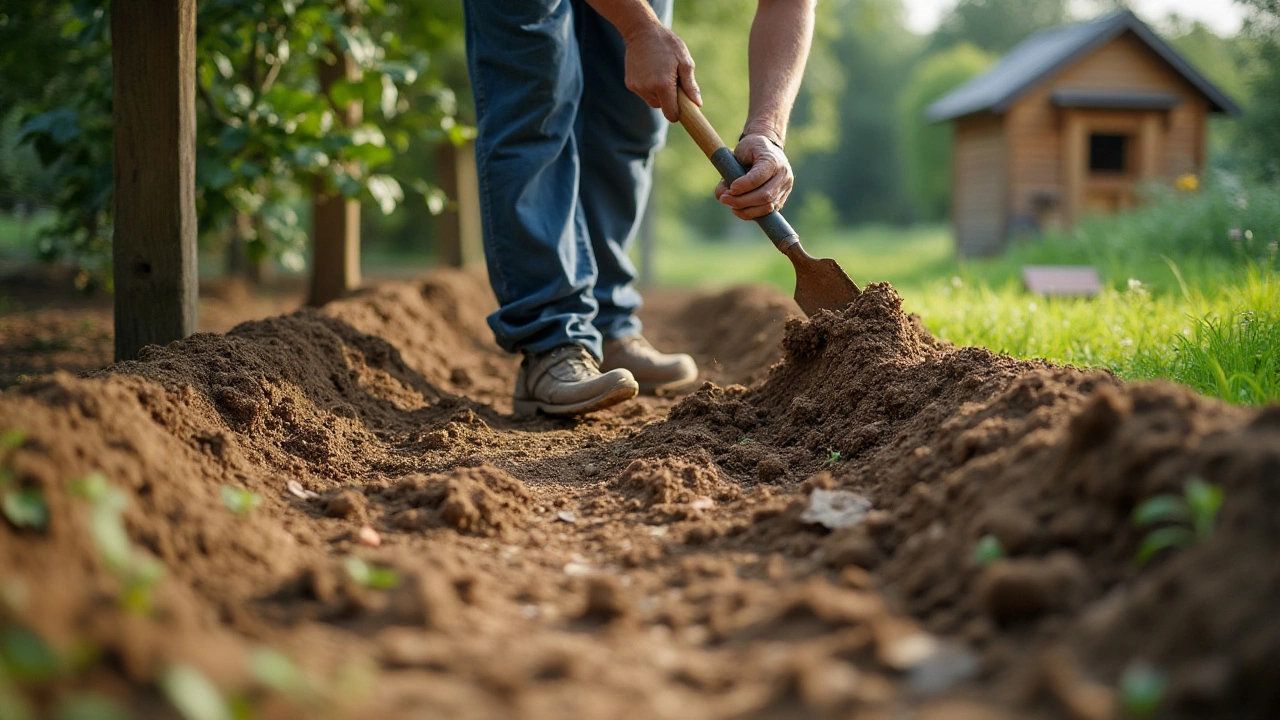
{"x": 417, "y": 551}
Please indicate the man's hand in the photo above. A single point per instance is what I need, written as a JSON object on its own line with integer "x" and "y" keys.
{"x": 659, "y": 66}
{"x": 766, "y": 185}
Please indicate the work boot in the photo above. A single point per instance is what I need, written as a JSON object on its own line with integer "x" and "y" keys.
{"x": 654, "y": 370}
{"x": 568, "y": 381}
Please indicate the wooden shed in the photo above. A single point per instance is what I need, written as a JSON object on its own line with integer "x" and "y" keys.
{"x": 1070, "y": 122}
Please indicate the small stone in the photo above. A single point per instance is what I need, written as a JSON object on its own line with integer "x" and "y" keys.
{"x": 835, "y": 509}
{"x": 590, "y": 470}
{"x": 702, "y": 503}
{"x": 577, "y": 569}
{"x": 369, "y": 536}
{"x": 567, "y": 516}
{"x": 297, "y": 490}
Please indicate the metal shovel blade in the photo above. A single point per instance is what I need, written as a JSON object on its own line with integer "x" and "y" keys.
{"x": 821, "y": 284}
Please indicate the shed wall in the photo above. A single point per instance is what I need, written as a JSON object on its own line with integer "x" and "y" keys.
{"x": 980, "y": 184}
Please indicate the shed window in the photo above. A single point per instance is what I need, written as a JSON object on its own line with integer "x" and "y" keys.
{"x": 1108, "y": 153}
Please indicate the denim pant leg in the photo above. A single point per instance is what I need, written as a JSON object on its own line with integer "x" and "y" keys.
{"x": 618, "y": 134}
{"x": 526, "y": 73}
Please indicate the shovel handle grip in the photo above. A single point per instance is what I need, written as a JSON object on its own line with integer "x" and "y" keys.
{"x": 773, "y": 224}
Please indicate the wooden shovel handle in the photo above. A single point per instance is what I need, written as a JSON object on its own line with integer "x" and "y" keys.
{"x": 691, "y": 117}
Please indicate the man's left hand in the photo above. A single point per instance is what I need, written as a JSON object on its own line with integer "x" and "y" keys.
{"x": 766, "y": 185}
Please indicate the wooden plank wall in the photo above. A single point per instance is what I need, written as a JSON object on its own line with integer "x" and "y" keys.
{"x": 980, "y": 187}
{"x": 1036, "y": 126}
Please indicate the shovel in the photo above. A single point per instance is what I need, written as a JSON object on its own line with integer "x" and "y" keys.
{"x": 821, "y": 284}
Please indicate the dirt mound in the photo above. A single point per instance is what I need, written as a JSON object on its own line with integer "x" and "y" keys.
{"x": 345, "y": 490}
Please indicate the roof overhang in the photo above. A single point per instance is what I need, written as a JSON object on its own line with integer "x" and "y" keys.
{"x": 1116, "y": 99}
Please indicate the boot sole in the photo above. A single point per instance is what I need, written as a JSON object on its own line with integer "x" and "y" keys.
{"x": 619, "y": 393}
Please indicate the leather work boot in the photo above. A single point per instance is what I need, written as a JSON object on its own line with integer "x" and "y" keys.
{"x": 652, "y": 369}
{"x": 568, "y": 381}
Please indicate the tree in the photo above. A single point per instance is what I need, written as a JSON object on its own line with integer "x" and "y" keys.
{"x": 926, "y": 147}
{"x": 1260, "y": 132}
{"x": 266, "y": 132}
{"x": 997, "y": 25}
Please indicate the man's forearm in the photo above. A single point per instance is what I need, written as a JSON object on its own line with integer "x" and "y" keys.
{"x": 628, "y": 16}
{"x": 780, "y": 38}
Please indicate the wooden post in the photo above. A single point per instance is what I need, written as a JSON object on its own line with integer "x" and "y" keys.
{"x": 335, "y": 219}
{"x": 461, "y": 241}
{"x": 1075, "y": 166}
{"x": 154, "y": 247}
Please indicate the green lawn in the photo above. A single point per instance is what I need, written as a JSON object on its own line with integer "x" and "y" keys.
{"x": 1206, "y": 322}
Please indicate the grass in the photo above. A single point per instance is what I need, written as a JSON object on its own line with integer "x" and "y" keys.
{"x": 1207, "y": 318}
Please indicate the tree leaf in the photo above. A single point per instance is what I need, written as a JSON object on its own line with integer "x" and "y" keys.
{"x": 386, "y": 192}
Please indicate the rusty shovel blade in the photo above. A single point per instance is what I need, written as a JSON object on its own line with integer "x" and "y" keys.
{"x": 821, "y": 284}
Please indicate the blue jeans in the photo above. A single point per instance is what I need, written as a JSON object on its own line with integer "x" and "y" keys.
{"x": 565, "y": 158}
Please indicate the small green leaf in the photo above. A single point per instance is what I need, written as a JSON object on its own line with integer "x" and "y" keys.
{"x": 26, "y": 656}
{"x": 988, "y": 550}
{"x": 26, "y": 508}
{"x": 833, "y": 458}
{"x": 371, "y": 576}
{"x": 1142, "y": 689}
{"x": 1161, "y": 508}
{"x": 12, "y": 439}
{"x": 1204, "y": 500}
{"x": 1163, "y": 539}
{"x": 240, "y": 501}
{"x": 275, "y": 670}
{"x": 193, "y": 695}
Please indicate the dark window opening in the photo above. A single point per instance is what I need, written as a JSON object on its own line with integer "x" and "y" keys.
{"x": 1108, "y": 153}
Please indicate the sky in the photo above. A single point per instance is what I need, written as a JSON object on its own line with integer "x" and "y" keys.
{"x": 1224, "y": 16}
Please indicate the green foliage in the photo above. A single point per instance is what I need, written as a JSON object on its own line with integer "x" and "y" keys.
{"x": 90, "y": 707}
{"x": 833, "y": 457}
{"x": 268, "y": 132}
{"x": 988, "y": 550}
{"x": 1259, "y": 137}
{"x": 997, "y": 25}
{"x": 1142, "y": 689}
{"x": 25, "y": 656}
{"x": 240, "y": 501}
{"x": 23, "y": 507}
{"x": 193, "y": 695}
{"x": 137, "y": 572}
{"x": 371, "y": 576}
{"x": 1186, "y": 520}
{"x": 926, "y": 147}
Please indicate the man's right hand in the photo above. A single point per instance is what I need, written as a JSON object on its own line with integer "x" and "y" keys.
{"x": 659, "y": 66}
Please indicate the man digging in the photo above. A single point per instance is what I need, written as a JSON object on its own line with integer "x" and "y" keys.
{"x": 570, "y": 98}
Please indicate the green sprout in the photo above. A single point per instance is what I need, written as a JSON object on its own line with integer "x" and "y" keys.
{"x": 370, "y": 575}
{"x": 988, "y": 550}
{"x": 833, "y": 457}
{"x": 137, "y": 572}
{"x": 744, "y": 440}
{"x": 1185, "y": 520}
{"x": 1142, "y": 689}
{"x": 22, "y": 507}
{"x": 240, "y": 501}
{"x": 193, "y": 695}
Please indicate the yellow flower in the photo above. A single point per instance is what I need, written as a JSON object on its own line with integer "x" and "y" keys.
{"x": 1188, "y": 183}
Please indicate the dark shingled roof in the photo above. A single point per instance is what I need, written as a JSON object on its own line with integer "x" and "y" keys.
{"x": 1046, "y": 53}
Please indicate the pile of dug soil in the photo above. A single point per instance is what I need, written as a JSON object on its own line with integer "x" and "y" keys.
{"x": 348, "y": 516}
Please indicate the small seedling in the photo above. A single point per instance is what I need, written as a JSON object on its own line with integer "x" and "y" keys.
{"x": 137, "y": 572}
{"x": 744, "y": 440}
{"x": 240, "y": 501}
{"x": 193, "y": 695}
{"x": 1187, "y": 519}
{"x": 988, "y": 550}
{"x": 834, "y": 457}
{"x": 25, "y": 508}
{"x": 370, "y": 575}
{"x": 25, "y": 657}
{"x": 1142, "y": 689}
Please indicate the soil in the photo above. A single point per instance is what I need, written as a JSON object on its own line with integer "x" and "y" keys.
{"x": 418, "y": 551}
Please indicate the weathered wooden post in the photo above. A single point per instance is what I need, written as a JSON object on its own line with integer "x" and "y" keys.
{"x": 460, "y": 238}
{"x": 154, "y": 246}
{"x": 335, "y": 219}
